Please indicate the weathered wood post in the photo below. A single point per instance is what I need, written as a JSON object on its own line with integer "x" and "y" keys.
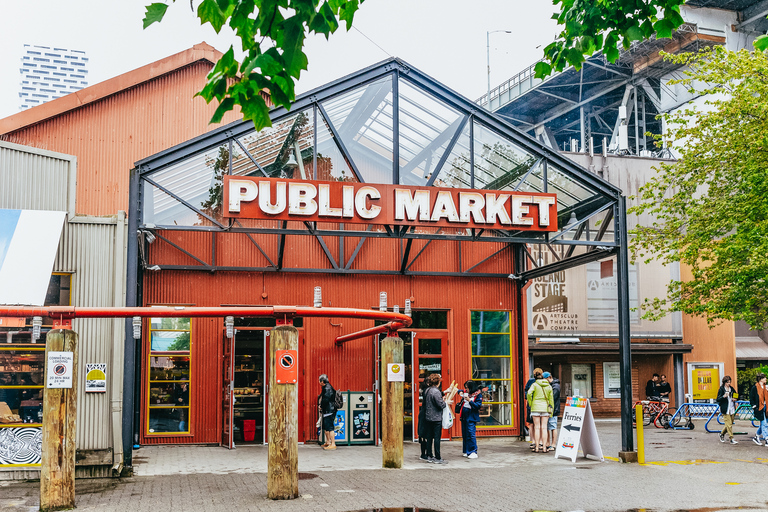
{"x": 392, "y": 401}
{"x": 283, "y": 458}
{"x": 57, "y": 470}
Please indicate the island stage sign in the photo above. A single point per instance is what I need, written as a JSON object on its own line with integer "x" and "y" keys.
{"x": 248, "y": 197}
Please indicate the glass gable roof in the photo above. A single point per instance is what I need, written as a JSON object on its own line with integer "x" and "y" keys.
{"x": 347, "y": 130}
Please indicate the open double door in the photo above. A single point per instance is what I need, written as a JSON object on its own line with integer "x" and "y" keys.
{"x": 426, "y": 352}
{"x": 245, "y": 387}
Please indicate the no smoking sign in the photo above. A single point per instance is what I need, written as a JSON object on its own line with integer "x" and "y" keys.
{"x": 286, "y": 366}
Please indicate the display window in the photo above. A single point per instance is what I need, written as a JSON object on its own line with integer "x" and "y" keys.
{"x": 22, "y": 380}
{"x": 169, "y": 375}
{"x": 492, "y": 365}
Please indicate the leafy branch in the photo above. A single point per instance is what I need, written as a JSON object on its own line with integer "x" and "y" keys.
{"x": 272, "y": 34}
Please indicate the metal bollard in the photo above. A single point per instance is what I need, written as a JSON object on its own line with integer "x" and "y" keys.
{"x": 640, "y": 435}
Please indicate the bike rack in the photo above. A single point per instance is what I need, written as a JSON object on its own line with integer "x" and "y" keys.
{"x": 709, "y": 412}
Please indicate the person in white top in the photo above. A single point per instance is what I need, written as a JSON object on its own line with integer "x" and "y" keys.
{"x": 726, "y": 398}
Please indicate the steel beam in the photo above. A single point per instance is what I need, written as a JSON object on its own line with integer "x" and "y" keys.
{"x": 625, "y": 347}
{"x": 565, "y": 264}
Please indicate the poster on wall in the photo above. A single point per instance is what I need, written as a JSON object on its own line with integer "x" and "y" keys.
{"x": 95, "y": 378}
{"x": 611, "y": 380}
{"x": 602, "y": 295}
{"x": 21, "y": 446}
{"x": 704, "y": 381}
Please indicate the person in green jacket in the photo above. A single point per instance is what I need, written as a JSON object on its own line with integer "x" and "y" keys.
{"x": 542, "y": 403}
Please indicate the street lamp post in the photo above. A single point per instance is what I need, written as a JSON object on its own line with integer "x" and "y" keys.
{"x": 488, "y": 60}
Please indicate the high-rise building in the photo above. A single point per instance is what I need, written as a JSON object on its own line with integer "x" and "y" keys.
{"x": 50, "y": 73}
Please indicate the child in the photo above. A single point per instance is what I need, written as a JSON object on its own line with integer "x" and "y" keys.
{"x": 469, "y": 410}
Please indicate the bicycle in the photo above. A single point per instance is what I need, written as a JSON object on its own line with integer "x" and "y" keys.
{"x": 656, "y": 411}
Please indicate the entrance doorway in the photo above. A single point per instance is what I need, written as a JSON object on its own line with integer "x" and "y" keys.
{"x": 430, "y": 355}
{"x": 245, "y": 390}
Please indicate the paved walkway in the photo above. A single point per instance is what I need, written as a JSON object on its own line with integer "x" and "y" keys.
{"x": 688, "y": 470}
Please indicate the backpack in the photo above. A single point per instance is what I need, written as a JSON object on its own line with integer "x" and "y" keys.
{"x": 338, "y": 400}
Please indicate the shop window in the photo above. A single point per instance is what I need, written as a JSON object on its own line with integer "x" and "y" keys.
{"x": 491, "y": 352}
{"x": 577, "y": 380}
{"x": 169, "y": 376}
{"x": 425, "y": 319}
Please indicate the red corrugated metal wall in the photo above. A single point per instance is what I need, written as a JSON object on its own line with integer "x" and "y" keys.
{"x": 350, "y": 366}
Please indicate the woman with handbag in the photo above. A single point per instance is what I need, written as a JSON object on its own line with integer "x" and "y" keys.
{"x": 542, "y": 404}
{"x": 434, "y": 404}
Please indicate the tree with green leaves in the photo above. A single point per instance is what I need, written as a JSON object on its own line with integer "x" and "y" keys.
{"x": 271, "y": 34}
{"x": 711, "y": 205}
{"x": 590, "y": 26}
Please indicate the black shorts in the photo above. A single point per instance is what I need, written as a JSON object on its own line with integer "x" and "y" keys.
{"x": 328, "y": 422}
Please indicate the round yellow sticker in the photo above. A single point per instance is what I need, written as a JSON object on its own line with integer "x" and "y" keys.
{"x": 395, "y": 368}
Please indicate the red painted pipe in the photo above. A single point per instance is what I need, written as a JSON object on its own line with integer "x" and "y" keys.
{"x": 396, "y": 320}
{"x": 388, "y": 327}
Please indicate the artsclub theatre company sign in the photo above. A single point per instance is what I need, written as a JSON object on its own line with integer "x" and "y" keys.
{"x": 278, "y": 199}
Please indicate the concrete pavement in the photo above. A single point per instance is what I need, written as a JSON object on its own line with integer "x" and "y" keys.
{"x": 686, "y": 470}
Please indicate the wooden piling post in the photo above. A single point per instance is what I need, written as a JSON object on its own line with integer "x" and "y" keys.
{"x": 283, "y": 457}
{"x": 57, "y": 470}
{"x": 391, "y": 404}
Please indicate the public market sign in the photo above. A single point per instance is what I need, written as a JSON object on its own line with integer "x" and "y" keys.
{"x": 278, "y": 199}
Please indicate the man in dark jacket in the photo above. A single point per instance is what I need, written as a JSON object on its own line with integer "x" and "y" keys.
{"x": 651, "y": 389}
{"x": 328, "y": 410}
{"x": 552, "y": 422}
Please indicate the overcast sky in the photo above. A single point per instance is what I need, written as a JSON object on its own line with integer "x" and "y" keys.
{"x": 446, "y": 39}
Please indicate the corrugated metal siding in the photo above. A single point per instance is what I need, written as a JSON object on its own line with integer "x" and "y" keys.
{"x": 30, "y": 181}
{"x": 110, "y": 135}
{"x": 350, "y": 366}
{"x": 88, "y": 251}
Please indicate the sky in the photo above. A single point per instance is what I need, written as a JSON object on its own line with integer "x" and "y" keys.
{"x": 445, "y": 39}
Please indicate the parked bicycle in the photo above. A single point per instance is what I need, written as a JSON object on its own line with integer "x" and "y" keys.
{"x": 657, "y": 411}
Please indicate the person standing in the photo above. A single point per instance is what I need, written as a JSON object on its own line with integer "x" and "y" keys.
{"x": 757, "y": 398}
{"x": 726, "y": 397}
{"x": 433, "y": 416}
{"x": 542, "y": 404}
{"x": 663, "y": 389}
{"x": 328, "y": 410}
{"x": 528, "y": 419}
{"x": 651, "y": 390}
{"x": 469, "y": 413}
{"x": 552, "y": 422}
{"x": 421, "y": 428}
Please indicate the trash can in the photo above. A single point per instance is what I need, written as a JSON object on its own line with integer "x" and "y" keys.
{"x": 362, "y": 420}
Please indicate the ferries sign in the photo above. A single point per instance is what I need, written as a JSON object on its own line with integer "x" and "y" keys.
{"x": 279, "y": 199}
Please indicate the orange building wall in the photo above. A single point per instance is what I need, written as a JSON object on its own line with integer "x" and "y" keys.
{"x": 350, "y": 366}
{"x": 715, "y": 345}
{"x": 109, "y": 135}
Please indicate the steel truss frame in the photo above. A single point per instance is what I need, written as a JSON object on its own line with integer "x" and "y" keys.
{"x": 575, "y": 245}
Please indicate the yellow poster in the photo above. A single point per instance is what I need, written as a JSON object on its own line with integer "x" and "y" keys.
{"x": 706, "y": 382}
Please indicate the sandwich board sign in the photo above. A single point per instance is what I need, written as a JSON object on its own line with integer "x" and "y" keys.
{"x": 578, "y": 428}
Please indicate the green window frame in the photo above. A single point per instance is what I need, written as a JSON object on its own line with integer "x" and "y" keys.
{"x": 169, "y": 377}
{"x": 491, "y": 353}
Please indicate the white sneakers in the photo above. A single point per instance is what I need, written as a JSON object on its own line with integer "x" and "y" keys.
{"x": 472, "y": 455}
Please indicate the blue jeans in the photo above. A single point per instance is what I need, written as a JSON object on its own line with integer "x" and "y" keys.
{"x": 762, "y": 429}
{"x": 468, "y": 440}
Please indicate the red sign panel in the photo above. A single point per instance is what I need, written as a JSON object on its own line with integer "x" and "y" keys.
{"x": 278, "y": 199}
{"x": 286, "y": 366}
